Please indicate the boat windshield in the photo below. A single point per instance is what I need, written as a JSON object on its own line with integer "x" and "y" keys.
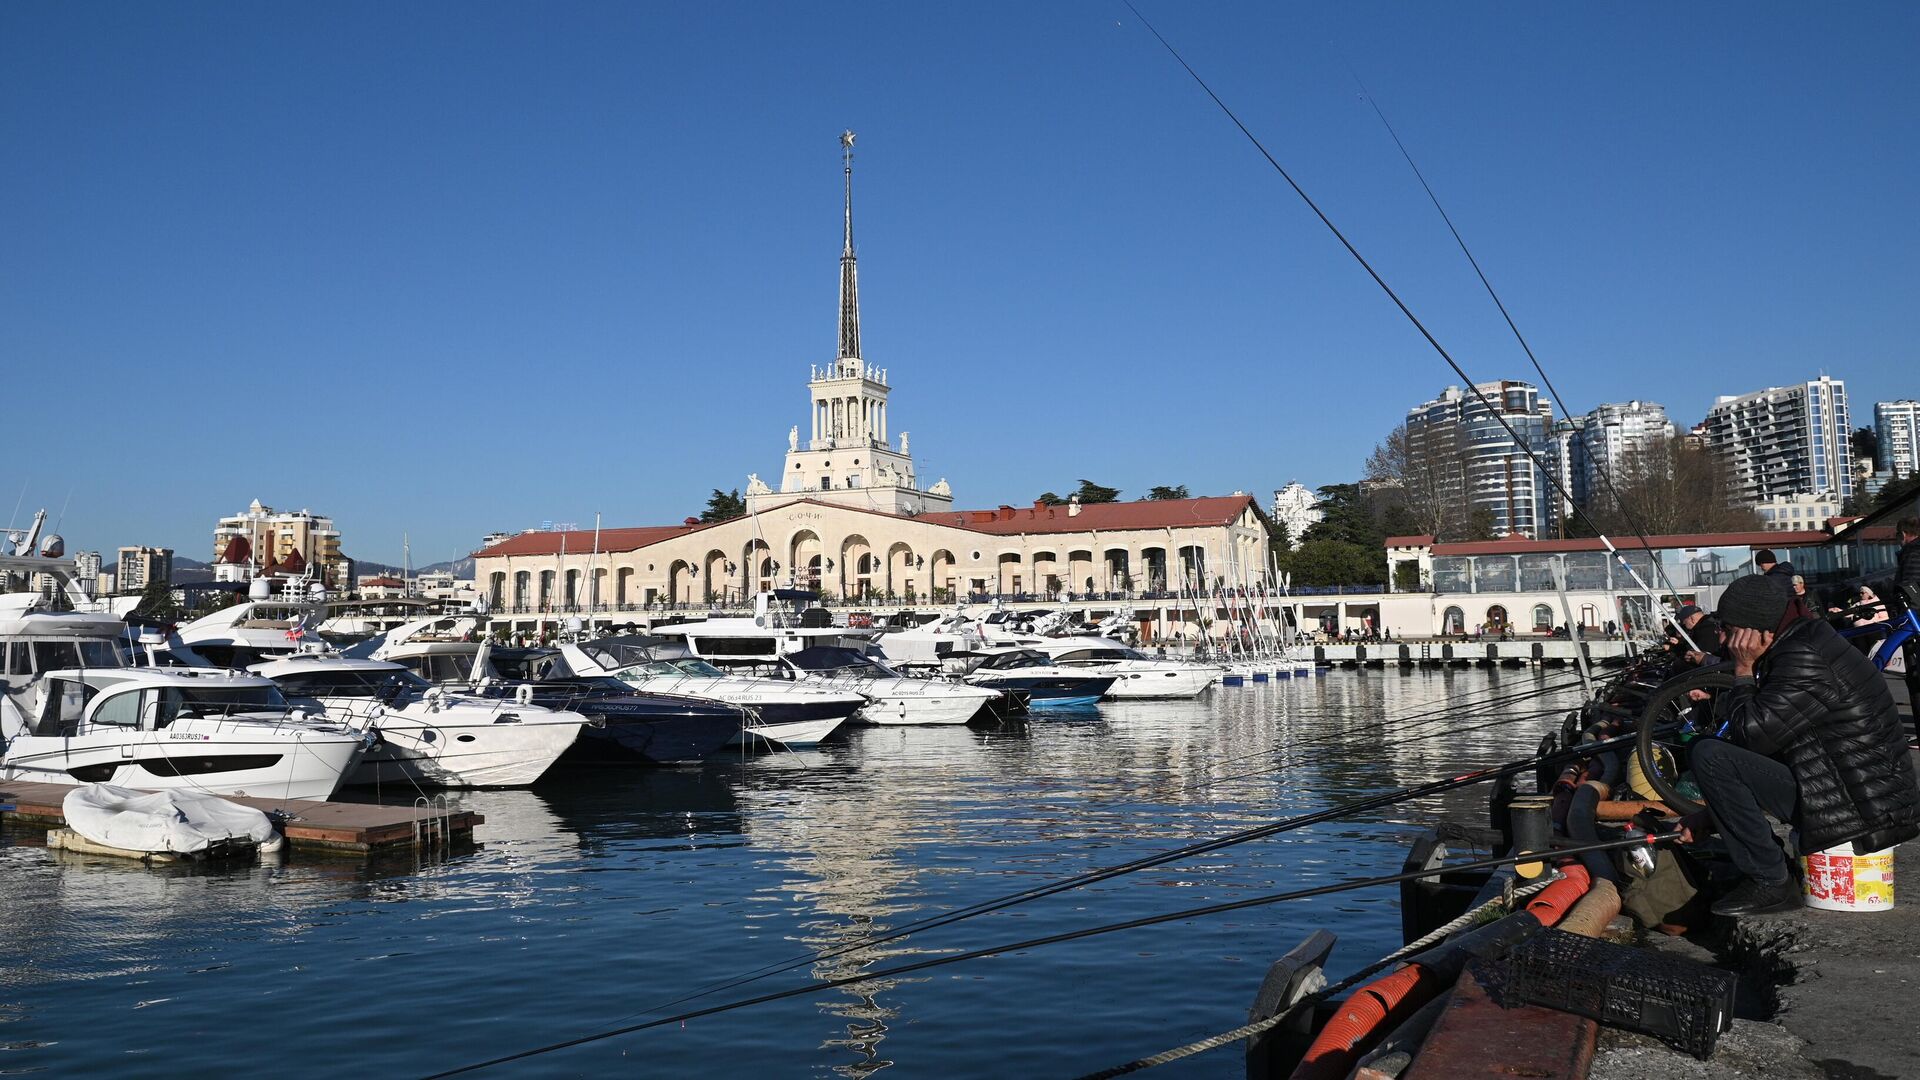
{"x": 179, "y": 701}
{"x": 823, "y": 658}
{"x": 1108, "y": 654}
{"x": 349, "y": 683}
{"x": 27, "y": 658}
{"x": 1018, "y": 658}
{"x": 697, "y": 667}
{"x": 613, "y": 654}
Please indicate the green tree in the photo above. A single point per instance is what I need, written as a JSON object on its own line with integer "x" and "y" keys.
{"x": 1406, "y": 576}
{"x": 1866, "y": 443}
{"x": 1337, "y": 562}
{"x": 1162, "y": 493}
{"x": 1091, "y": 492}
{"x": 157, "y": 602}
{"x": 723, "y": 506}
{"x": 1480, "y": 523}
{"x": 1348, "y": 518}
{"x": 1048, "y": 498}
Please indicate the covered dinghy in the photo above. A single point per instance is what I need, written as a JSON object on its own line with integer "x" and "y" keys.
{"x": 165, "y": 822}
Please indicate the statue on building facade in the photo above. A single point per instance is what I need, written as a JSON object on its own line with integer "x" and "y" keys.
{"x": 793, "y": 438}
{"x": 903, "y": 442}
{"x": 757, "y": 486}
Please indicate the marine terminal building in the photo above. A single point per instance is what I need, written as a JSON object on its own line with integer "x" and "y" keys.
{"x": 848, "y": 516}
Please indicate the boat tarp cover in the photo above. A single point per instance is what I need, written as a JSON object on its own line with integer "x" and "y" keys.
{"x": 827, "y": 658}
{"x": 182, "y": 822}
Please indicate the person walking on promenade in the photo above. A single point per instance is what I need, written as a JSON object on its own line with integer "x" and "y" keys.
{"x": 1814, "y": 741}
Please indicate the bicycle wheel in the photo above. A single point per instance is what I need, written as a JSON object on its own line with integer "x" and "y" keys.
{"x": 1669, "y": 715}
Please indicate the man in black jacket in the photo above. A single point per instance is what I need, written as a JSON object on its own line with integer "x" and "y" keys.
{"x": 1815, "y": 741}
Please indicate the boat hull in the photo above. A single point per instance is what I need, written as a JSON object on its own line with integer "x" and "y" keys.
{"x": 303, "y": 766}
{"x": 1051, "y": 691}
{"x": 464, "y": 755}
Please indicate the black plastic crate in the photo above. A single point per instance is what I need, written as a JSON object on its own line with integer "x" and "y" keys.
{"x": 1685, "y": 1004}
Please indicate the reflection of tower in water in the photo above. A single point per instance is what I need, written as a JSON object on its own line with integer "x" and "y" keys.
{"x": 842, "y": 840}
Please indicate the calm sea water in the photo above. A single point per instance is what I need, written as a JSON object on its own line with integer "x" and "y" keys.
{"x": 597, "y": 896}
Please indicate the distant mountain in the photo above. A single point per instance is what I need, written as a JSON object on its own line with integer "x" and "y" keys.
{"x": 460, "y": 568}
{"x": 191, "y": 571}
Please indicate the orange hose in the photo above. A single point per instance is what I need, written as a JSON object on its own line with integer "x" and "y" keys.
{"x": 1555, "y": 899}
{"x": 1627, "y": 809}
{"x": 1362, "y": 1019}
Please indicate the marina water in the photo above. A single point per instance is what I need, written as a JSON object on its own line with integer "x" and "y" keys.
{"x": 598, "y": 896}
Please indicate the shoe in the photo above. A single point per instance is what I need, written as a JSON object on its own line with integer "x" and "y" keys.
{"x": 1755, "y": 898}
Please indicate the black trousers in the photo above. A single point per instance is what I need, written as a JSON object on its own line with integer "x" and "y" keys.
{"x": 1742, "y": 788}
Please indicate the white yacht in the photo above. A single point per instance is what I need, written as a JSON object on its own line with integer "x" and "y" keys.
{"x": 426, "y": 734}
{"x": 1032, "y": 672}
{"x": 245, "y": 634}
{"x": 1135, "y": 675}
{"x": 781, "y": 711}
{"x": 73, "y": 713}
{"x": 893, "y": 698}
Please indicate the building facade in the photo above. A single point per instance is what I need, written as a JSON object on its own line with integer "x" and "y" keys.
{"x": 1896, "y": 426}
{"x": 264, "y": 542}
{"x": 1298, "y": 508}
{"x": 138, "y": 567}
{"x": 1797, "y": 513}
{"x": 1784, "y": 440}
{"x": 1478, "y": 464}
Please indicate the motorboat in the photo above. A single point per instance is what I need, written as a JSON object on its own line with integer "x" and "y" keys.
{"x": 893, "y": 698}
{"x": 1033, "y": 672}
{"x": 782, "y": 623}
{"x": 73, "y": 713}
{"x": 427, "y": 735}
{"x": 942, "y": 643}
{"x": 1135, "y": 674}
{"x": 630, "y": 726}
{"x": 781, "y": 711}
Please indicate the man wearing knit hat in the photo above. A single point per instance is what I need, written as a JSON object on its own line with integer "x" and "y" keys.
{"x": 1812, "y": 739}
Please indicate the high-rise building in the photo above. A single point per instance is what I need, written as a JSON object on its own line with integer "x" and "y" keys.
{"x": 1784, "y": 440}
{"x": 1610, "y": 437}
{"x": 1896, "y": 424}
{"x": 1459, "y": 443}
{"x": 1296, "y": 507}
{"x": 139, "y": 567}
{"x": 264, "y": 542}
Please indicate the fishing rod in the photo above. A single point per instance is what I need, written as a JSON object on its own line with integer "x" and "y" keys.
{"x": 1147, "y": 862}
{"x": 1606, "y": 474}
{"x": 1485, "y": 402}
{"x": 1348, "y": 885}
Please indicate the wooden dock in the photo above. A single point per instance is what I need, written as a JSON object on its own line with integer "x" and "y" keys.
{"x": 336, "y": 828}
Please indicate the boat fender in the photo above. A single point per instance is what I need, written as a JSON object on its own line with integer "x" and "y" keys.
{"x": 1363, "y": 1018}
{"x": 1554, "y": 901}
{"x": 523, "y": 694}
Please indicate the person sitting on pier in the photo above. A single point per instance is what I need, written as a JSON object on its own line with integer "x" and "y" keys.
{"x": 1709, "y": 638}
{"x": 1814, "y": 741}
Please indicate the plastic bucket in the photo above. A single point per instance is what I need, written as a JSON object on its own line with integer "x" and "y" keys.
{"x": 1838, "y": 880}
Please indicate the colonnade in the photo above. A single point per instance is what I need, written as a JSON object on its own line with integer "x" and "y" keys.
{"x": 852, "y": 417}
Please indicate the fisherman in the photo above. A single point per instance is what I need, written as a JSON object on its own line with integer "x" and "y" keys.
{"x": 1814, "y": 740}
{"x": 1708, "y": 636}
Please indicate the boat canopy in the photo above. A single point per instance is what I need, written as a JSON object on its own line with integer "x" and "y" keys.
{"x": 1015, "y": 658}
{"x": 833, "y": 658}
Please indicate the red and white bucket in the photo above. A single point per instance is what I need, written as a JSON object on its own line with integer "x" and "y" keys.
{"x": 1838, "y": 880}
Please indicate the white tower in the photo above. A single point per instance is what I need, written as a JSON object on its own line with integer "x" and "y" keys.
{"x": 846, "y": 454}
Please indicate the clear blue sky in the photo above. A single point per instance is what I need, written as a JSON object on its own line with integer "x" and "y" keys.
{"x": 442, "y": 269}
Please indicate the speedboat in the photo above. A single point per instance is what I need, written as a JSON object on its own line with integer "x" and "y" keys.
{"x": 893, "y": 698}
{"x": 781, "y": 711}
{"x": 427, "y": 735}
{"x": 241, "y": 635}
{"x": 630, "y": 726}
{"x": 1045, "y": 683}
{"x": 72, "y": 713}
{"x": 1135, "y": 674}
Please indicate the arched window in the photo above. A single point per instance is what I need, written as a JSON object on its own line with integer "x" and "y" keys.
{"x": 1542, "y": 617}
{"x": 1453, "y": 622}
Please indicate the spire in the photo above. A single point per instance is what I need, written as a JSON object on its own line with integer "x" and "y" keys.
{"x": 849, "y": 272}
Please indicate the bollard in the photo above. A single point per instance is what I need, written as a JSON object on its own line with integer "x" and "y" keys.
{"x": 1532, "y": 817}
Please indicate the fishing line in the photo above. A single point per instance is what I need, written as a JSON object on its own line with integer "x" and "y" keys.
{"x": 1438, "y": 348}
{"x": 1348, "y": 885}
{"x": 1606, "y": 474}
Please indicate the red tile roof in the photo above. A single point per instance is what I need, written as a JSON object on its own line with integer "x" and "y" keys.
{"x": 1516, "y": 545}
{"x": 1422, "y": 540}
{"x": 381, "y": 583}
{"x": 1103, "y": 517}
{"x": 582, "y": 541}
